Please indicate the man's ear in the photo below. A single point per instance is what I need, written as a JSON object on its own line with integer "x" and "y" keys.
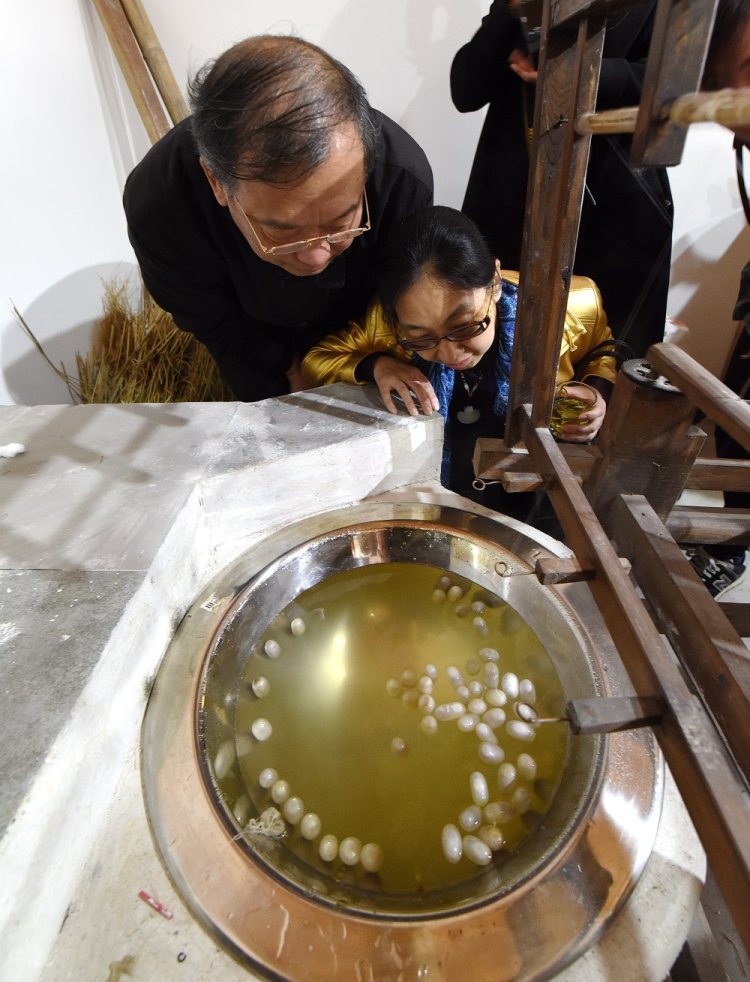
{"x": 218, "y": 189}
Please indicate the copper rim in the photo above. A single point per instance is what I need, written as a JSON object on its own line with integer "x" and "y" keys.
{"x": 563, "y": 894}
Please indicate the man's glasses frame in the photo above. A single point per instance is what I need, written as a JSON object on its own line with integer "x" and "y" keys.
{"x": 333, "y": 238}
{"x": 463, "y": 333}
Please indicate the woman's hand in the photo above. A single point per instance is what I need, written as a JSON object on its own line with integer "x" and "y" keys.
{"x": 590, "y": 420}
{"x": 521, "y": 63}
{"x": 392, "y": 375}
{"x": 294, "y": 377}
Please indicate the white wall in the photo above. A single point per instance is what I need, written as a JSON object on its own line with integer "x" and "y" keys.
{"x": 71, "y": 136}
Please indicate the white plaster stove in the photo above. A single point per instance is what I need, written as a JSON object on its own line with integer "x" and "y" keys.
{"x": 109, "y": 524}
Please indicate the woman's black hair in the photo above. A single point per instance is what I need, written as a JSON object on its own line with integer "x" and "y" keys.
{"x": 265, "y": 110}
{"x": 731, "y": 17}
{"x": 440, "y": 242}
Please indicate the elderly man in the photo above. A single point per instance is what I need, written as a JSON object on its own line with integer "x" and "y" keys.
{"x": 257, "y": 221}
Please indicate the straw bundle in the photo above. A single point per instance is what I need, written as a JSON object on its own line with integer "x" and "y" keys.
{"x": 140, "y": 355}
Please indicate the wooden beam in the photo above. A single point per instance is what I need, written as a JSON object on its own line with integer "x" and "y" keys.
{"x": 676, "y": 58}
{"x": 702, "y": 524}
{"x": 704, "y": 390}
{"x": 713, "y": 789}
{"x": 738, "y": 616}
{"x": 719, "y": 474}
{"x": 729, "y": 107}
{"x": 706, "y": 643}
{"x": 493, "y": 458}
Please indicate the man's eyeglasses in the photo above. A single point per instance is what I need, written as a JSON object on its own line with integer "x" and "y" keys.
{"x": 333, "y": 238}
{"x": 463, "y": 333}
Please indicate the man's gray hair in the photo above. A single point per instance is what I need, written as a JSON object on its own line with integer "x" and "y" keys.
{"x": 265, "y": 111}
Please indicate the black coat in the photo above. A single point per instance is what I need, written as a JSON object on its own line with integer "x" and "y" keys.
{"x": 625, "y": 238}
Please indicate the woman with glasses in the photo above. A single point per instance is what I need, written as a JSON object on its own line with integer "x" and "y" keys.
{"x": 440, "y": 337}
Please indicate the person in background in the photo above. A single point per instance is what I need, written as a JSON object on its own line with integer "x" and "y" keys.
{"x": 440, "y": 337}
{"x": 626, "y": 217}
{"x": 256, "y": 222}
{"x": 721, "y": 566}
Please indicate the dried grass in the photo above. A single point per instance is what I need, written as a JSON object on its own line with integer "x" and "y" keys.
{"x": 139, "y": 355}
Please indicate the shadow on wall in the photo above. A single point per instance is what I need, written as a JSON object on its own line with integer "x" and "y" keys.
{"x": 709, "y": 286}
{"x": 421, "y": 47}
{"x": 78, "y": 299}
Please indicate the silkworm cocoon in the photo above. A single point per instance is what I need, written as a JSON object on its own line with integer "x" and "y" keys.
{"x": 521, "y": 799}
{"x": 452, "y": 843}
{"x": 454, "y": 676}
{"x": 494, "y": 717}
{"x": 498, "y": 812}
{"x": 294, "y": 809}
{"x": 506, "y": 774}
{"x": 491, "y": 836}
{"x": 467, "y": 722}
{"x": 470, "y": 818}
{"x": 297, "y": 627}
{"x": 449, "y": 710}
{"x": 490, "y": 753}
{"x": 491, "y": 675}
{"x": 267, "y": 777}
{"x": 371, "y": 857}
{"x": 527, "y": 691}
{"x": 526, "y": 766}
{"x": 520, "y": 730}
{"x": 489, "y": 654}
{"x": 438, "y": 596}
{"x": 477, "y": 851}
{"x": 478, "y": 707}
{"x": 393, "y": 687}
{"x": 426, "y": 703}
{"x": 280, "y": 791}
{"x": 455, "y": 592}
{"x": 485, "y": 733}
{"x": 272, "y": 648}
{"x": 429, "y": 724}
{"x": 480, "y": 793}
{"x": 225, "y": 757}
{"x": 480, "y": 625}
{"x": 509, "y": 684}
{"x": 349, "y": 850}
{"x": 261, "y": 729}
{"x": 495, "y": 697}
{"x": 241, "y": 810}
{"x": 260, "y": 686}
{"x": 328, "y": 848}
{"x": 310, "y": 826}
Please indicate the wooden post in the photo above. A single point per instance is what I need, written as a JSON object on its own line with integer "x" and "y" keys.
{"x": 707, "y": 644}
{"x": 134, "y": 69}
{"x": 156, "y": 60}
{"x": 647, "y": 443}
{"x": 570, "y": 61}
{"x": 676, "y": 58}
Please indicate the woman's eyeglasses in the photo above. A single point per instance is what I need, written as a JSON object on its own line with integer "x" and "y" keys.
{"x": 463, "y": 333}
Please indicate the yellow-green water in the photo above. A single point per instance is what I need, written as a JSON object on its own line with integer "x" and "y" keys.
{"x": 334, "y": 722}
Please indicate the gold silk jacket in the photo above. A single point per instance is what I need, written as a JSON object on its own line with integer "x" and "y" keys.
{"x": 336, "y": 357}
